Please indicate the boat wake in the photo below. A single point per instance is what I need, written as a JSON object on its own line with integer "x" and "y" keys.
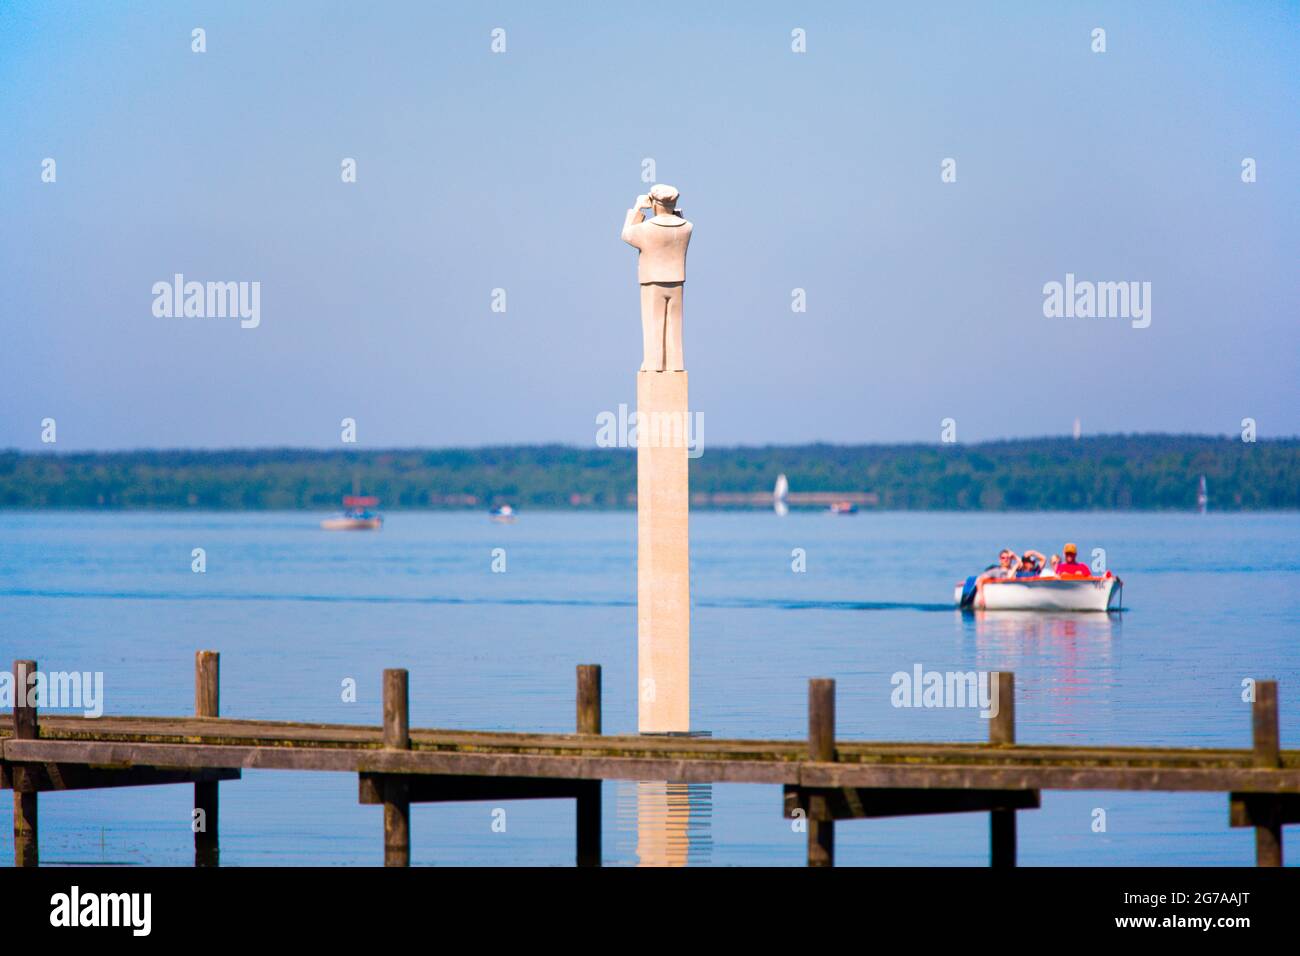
{"x": 810, "y": 605}
{"x": 733, "y": 603}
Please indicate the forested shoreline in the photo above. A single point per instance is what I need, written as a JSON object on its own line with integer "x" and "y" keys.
{"x": 1117, "y": 472}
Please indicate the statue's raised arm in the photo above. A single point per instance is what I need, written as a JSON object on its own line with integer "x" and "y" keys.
{"x": 635, "y": 216}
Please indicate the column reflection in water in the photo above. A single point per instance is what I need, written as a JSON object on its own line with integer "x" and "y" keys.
{"x": 664, "y": 824}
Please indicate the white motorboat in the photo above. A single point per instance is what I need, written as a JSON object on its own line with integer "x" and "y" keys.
{"x": 1103, "y": 593}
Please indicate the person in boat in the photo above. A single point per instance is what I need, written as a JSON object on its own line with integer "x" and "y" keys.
{"x": 1008, "y": 564}
{"x": 1031, "y": 564}
{"x": 1071, "y": 567}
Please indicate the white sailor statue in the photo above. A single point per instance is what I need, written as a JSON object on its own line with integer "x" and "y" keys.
{"x": 661, "y": 270}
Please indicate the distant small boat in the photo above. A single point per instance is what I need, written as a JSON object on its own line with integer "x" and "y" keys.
{"x": 779, "y": 494}
{"x": 843, "y": 508}
{"x": 503, "y": 514}
{"x": 1202, "y": 497}
{"x": 356, "y": 515}
{"x": 1103, "y": 593}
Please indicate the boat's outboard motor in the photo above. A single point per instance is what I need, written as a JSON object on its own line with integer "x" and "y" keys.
{"x": 968, "y": 589}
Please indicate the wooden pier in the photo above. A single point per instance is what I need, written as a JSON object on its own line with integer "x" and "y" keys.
{"x": 824, "y": 779}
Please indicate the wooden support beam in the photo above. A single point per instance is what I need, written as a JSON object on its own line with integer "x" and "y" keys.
{"x": 207, "y": 703}
{"x": 430, "y": 788}
{"x": 1002, "y": 733}
{"x": 26, "y": 832}
{"x": 397, "y": 801}
{"x": 588, "y": 810}
{"x": 821, "y": 747}
{"x": 1267, "y": 747}
{"x": 849, "y": 803}
{"x": 54, "y": 777}
{"x": 588, "y": 823}
{"x": 1263, "y": 809}
{"x": 1002, "y": 838}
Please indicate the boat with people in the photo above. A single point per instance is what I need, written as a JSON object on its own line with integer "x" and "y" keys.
{"x": 1045, "y": 594}
{"x": 503, "y": 514}
{"x": 1033, "y": 582}
{"x": 356, "y": 515}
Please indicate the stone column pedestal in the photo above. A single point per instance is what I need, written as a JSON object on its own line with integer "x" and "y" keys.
{"x": 663, "y": 554}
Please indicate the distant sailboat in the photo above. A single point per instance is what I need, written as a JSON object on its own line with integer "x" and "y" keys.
{"x": 356, "y": 515}
{"x": 1202, "y": 497}
{"x": 778, "y": 496}
{"x": 1078, "y": 429}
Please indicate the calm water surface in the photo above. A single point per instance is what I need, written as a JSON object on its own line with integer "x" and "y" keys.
{"x": 1210, "y": 600}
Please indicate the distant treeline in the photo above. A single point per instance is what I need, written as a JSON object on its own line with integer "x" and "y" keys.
{"x": 1105, "y": 472}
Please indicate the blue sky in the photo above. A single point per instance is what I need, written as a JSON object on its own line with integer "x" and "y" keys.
{"x": 478, "y": 171}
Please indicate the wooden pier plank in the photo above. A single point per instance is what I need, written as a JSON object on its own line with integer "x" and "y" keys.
{"x": 1046, "y": 777}
{"x": 981, "y": 769}
{"x": 284, "y": 734}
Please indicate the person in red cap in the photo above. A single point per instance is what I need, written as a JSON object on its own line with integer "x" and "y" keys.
{"x": 1071, "y": 567}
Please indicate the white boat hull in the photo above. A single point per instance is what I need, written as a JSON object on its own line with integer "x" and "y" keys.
{"x": 1049, "y": 594}
{"x": 352, "y": 524}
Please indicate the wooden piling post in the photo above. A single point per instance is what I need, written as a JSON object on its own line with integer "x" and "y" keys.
{"x": 207, "y": 703}
{"x": 821, "y": 747}
{"x": 397, "y": 798}
{"x": 1268, "y": 837}
{"x": 26, "y": 842}
{"x": 588, "y": 698}
{"x": 1002, "y": 732}
{"x": 589, "y": 795}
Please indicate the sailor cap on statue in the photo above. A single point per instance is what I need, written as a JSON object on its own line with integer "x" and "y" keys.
{"x": 668, "y": 196}
{"x": 664, "y": 194}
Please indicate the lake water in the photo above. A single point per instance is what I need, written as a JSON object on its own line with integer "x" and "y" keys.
{"x": 1210, "y": 601}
